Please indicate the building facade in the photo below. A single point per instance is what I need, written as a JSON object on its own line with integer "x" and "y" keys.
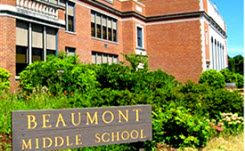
{"x": 181, "y": 37}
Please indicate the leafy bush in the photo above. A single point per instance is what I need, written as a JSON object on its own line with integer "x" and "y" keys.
{"x": 64, "y": 83}
{"x": 229, "y": 76}
{"x": 194, "y": 97}
{"x": 213, "y": 78}
{"x": 120, "y": 77}
{"x": 4, "y": 79}
{"x": 240, "y": 80}
{"x": 225, "y": 101}
{"x": 135, "y": 60}
{"x": 176, "y": 127}
{"x": 58, "y": 75}
{"x": 207, "y": 101}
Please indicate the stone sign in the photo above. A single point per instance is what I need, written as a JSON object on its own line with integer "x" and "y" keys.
{"x": 76, "y": 128}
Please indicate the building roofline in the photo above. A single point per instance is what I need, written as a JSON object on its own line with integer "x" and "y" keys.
{"x": 160, "y": 17}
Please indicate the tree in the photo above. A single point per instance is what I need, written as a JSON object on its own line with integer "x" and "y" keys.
{"x": 236, "y": 64}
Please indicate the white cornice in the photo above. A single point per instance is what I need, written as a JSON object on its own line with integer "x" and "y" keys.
{"x": 16, "y": 12}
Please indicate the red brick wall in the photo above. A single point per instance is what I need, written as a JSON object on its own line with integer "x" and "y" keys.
{"x": 207, "y": 40}
{"x": 205, "y": 5}
{"x": 129, "y": 36}
{"x": 8, "y": 2}
{"x": 176, "y": 49}
{"x": 61, "y": 14}
{"x": 164, "y": 7}
{"x": 131, "y": 6}
{"x": 173, "y": 47}
{"x": 7, "y": 47}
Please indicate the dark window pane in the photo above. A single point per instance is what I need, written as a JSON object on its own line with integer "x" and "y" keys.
{"x": 139, "y": 37}
{"x": 20, "y": 67}
{"x": 70, "y": 51}
{"x": 114, "y": 35}
{"x": 37, "y": 54}
{"x": 104, "y": 33}
{"x": 98, "y": 31}
{"x": 93, "y": 29}
{"x": 21, "y": 54}
{"x": 71, "y": 23}
{"x": 21, "y": 59}
{"x": 109, "y": 34}
{"x": 51, "y": 52}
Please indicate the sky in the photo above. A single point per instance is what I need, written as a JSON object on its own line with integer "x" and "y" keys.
{"x": 232, "y": 11}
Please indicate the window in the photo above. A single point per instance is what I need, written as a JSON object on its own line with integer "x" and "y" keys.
{"x": 30, "y": 45}
{"x": 93, "y": 24}
{"x": 218, "y": 55}
{"x": 103, "y": 27}
{"x": 139, "y": 37}
{"x": 51, "y": 41}
{"x": 62, "y": 3}
{"x": 109, "y": 29}
{"x": 70, "y": 17}
{"x": 37, "y": 43}
{"x": 57, "y": 2}
{"x": 98, "y": 25}
{"x": 21, "y": 58}
{"x": 21, "y": 46}
{"x": 114, "y": 30}
{"x": 70, "y": 51}
{"x": 53, "y": 1}
{"x": 212, "y": 48}
{"x": 99, "y": 58}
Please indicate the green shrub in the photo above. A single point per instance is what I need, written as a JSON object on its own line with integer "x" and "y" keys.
{"x": 213, "y": 78}
{"x": 206, "y": 101}
{"x": 240, "y": 81}
{"x": 229, "y": 76}
{"x": 4, "y": 79}
{"x": 194, "y": 97}
{"x": 58, "y": 75}
{"x": 176, "y": 127}
{"x": 120, "y": 77}
{"x": 224, "y": 101}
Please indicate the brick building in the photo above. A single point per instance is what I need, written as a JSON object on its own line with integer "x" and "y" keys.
{"x": 181, "y": 37}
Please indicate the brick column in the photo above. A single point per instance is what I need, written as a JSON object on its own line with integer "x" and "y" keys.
{"x": 8, "y": 47}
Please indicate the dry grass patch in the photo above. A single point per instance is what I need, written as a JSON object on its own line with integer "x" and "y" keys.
{"x": 229, "y": 143}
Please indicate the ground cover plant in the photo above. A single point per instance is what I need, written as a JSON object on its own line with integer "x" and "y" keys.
{"x": 184, "y": 115}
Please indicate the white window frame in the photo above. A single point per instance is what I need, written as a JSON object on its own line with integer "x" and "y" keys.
{"x": 66, "y": 16}
{"x": 68, "y": 52}
{"x": 136, "y": 35}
